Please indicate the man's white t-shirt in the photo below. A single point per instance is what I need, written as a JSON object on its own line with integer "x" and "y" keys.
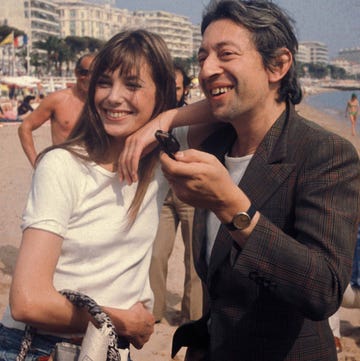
{"x": 236, "y": 167}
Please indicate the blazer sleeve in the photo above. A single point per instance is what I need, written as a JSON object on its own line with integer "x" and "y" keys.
{"x": 307, "y": 260}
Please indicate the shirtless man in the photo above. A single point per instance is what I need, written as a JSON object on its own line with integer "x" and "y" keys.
{"x": 352, "y": 108}
{"x": 62, "y": 107}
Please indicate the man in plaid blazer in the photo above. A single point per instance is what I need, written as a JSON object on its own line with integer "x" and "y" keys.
{"x": 278, "y": 199}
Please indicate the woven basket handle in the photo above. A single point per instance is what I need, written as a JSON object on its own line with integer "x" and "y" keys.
{"x": 81, "y": 300}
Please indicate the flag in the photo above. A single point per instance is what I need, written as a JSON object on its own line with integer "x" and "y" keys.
{"x": 8, "y": 39}
{"x": 20, "y": 40}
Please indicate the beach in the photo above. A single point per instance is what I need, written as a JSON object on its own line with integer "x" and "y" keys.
{"x": 14, "y": 185}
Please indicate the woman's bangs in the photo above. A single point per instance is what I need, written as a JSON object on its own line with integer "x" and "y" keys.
{"x": 130, "y": 65}
{"x": 124, "y": 58}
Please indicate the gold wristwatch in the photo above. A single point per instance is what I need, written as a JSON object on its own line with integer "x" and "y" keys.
{"x": 241, "y": 220}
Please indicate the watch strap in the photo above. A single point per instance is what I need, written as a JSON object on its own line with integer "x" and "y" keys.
{"x": 250, "y": 212}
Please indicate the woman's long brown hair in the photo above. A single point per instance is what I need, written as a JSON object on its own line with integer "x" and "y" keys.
{"x": 125, "y": 51}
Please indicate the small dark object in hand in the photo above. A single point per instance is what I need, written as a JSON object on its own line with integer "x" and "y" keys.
{"x": 168, "y": 143}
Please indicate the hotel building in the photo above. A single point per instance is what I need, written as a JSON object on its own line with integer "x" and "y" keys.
{"x": 313, "y": 52}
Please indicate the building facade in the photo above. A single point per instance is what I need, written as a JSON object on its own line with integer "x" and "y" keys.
{"x": 100, "y": 21}
{"x": 352, "y": 55}
{"x": 196, "y": 31}
{"x": 176, "y": 30}
{"x": 11, "y": 15}
{"x": 37, "y": 18}
{"x": 40, "y": 19}
{"x": 351, "y": 68}
{"x": 313, "y": 52}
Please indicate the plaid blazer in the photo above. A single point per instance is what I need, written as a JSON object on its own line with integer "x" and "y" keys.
{"x": 270, "y": 300}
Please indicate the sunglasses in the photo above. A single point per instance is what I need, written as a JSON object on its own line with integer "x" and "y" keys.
{"x": 83, "y": 72}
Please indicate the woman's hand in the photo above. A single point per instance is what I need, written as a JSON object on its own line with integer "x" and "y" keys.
{"x": 143, "y": 140}
{"x": 136, "y": 324}
{"x": 136, "y": 146}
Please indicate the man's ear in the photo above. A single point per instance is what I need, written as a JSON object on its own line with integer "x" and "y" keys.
{"x": 280, "y": 65}
{"x": 186, "y": 91}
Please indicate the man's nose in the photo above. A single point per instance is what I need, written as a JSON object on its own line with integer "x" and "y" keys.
{"x": 210, "y": 67}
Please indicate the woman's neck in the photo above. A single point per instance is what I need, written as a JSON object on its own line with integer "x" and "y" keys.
{"x": 111, "y": 159}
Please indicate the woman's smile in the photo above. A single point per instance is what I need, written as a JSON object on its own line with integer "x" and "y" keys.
{"x": 116, "y": 114}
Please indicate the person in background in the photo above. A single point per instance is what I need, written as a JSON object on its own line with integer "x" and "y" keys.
{"x": 83, "y": 229}
{"x": 351, "y": 298}
{"x": 174, "y": 212}
{"x": 352, "y": 108}
{"x": 39, "y": 98}
{"x": 182, "y": 85}
{"x": 276, "y": 195}
{"x": 62, "y": 108}
{"x": 1, "y": 115}
{"x": 25, "y": 106}
{"x": 8, "y": 113}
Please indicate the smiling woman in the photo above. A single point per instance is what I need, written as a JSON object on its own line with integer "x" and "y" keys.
{"x": 125, "y": 103}
{"x": 83, "y": 229}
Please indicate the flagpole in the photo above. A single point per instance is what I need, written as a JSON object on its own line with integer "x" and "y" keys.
{"x": 29, "y": 40}
{"x": 3, "y": 58}
{"x": 27, "y": 59}
{"x": 13, "y": 54}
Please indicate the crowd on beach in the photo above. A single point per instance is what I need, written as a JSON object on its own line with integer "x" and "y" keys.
{"x": 271, "y": 218}
{"x": 14, "y": 110}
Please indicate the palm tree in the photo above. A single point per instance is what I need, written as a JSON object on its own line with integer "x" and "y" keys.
{"x": 51, "y": 45}
{"x": 65, "y": 55}
{"x": 94, "y": 44}
{"x": 35, "y": 60}
{"x": 57, "y": 50}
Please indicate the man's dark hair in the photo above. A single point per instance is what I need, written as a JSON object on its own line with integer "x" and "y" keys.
{"x": 186, "y": 83}
{"x": 271, "y": 30}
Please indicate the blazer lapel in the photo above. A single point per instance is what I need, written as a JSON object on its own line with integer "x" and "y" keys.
{"x": 199, "y": 242}
{"x": 264, "y": 175}
{"x": 268, "y": 168}
{"x": 221, "y": 249}
{"x": 218, "y": 144}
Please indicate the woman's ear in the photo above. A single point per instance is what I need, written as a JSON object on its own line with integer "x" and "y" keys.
{"x": 280, "y": 65}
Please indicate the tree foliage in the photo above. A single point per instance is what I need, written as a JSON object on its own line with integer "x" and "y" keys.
{"x": 190, "y": 65}
{"x": 321, "y": 71}
{"x": 53, "y": 52}
{"x": 60, "y": 51}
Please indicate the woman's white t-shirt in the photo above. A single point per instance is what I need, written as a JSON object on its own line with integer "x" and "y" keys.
{"x": 87, "y": 206}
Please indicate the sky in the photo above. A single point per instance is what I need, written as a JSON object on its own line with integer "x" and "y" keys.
{"x": 333, "y": 22}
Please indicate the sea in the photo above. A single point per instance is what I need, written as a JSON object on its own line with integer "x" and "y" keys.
{"x": 333, "y": 103}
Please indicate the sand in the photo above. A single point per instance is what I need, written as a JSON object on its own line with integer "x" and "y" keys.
{"x": 14, "y": 185}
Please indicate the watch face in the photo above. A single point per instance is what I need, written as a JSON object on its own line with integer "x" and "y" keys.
{"x": 241, "y": 220}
